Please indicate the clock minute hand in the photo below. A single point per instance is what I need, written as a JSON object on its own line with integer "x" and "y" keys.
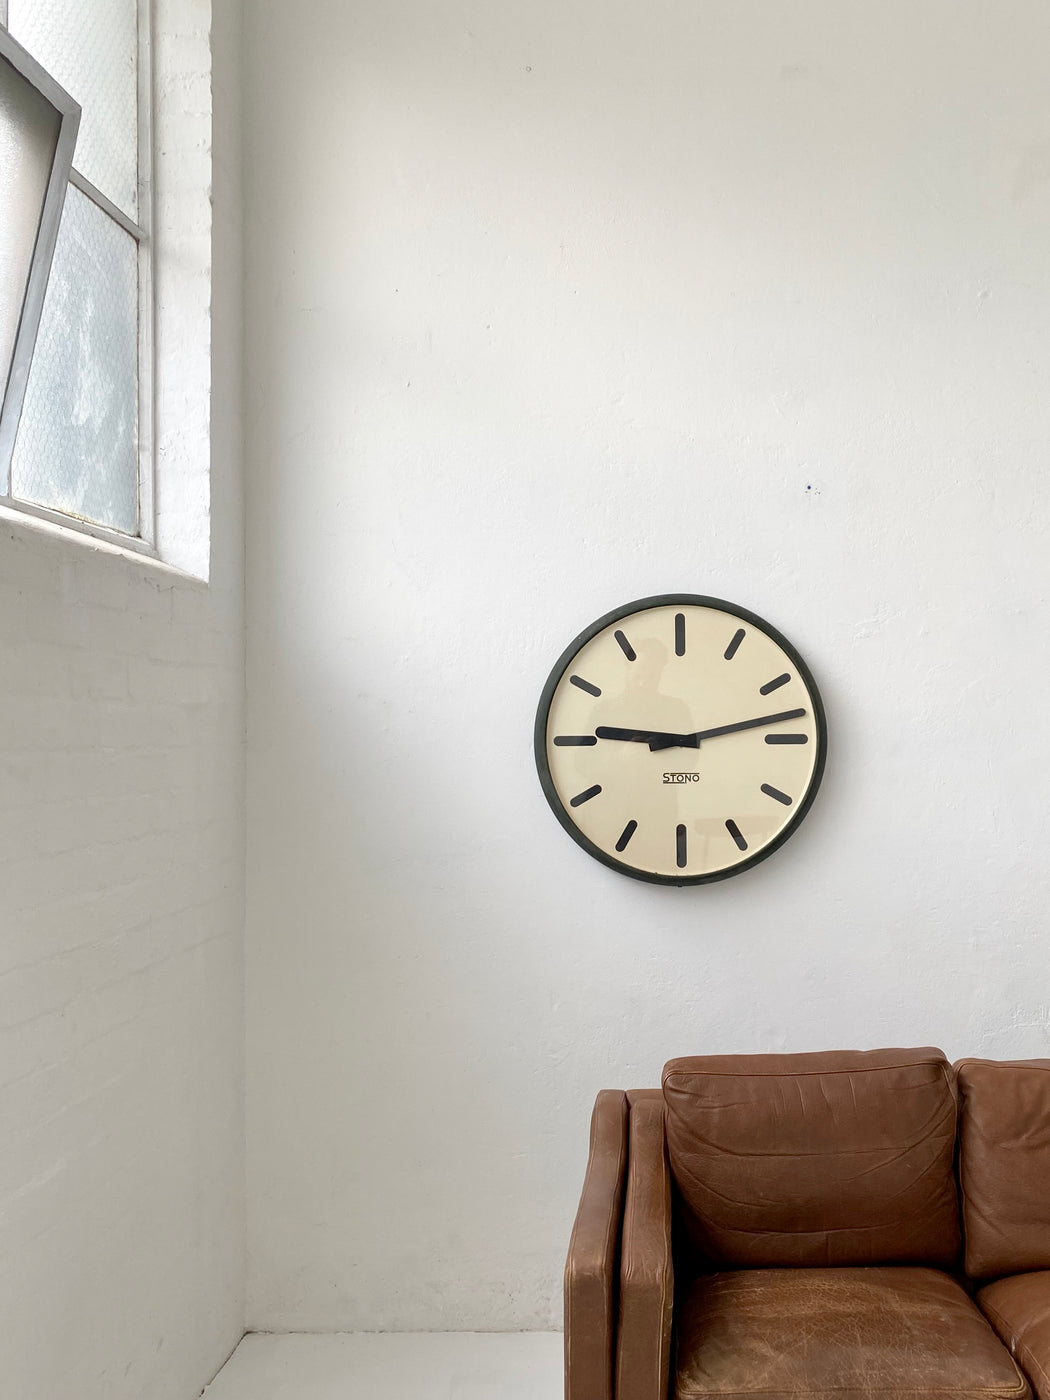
{"x": 657, "y": 739}
{"x": 668, "y": 741}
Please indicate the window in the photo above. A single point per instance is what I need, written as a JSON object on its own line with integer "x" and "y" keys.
{"x": 85, "y": 437}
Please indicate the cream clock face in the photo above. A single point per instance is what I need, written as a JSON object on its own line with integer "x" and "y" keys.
{"x": 680, "y": 739}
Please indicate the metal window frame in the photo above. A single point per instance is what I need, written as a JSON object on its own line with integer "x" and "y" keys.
{"x": 144, "y": 540}
{"x": 68, "y": 113}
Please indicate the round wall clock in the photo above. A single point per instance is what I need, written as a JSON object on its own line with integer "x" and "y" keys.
{"x": 680, "y": 739}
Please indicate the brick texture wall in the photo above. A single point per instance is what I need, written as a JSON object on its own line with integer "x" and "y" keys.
{"x": 122, "y": 846}
{"x": 121, "y": 859}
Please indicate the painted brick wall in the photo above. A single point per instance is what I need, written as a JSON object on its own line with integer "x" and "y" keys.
{"x": 121, "y": 869}
{"x": 120, "y": 860}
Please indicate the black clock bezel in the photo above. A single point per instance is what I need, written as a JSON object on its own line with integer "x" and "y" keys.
{"x": 564, "y": 661}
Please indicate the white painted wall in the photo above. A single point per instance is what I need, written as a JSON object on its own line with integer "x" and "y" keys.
{"x": 122, "y": 857}
{"x": 553, "y": 306}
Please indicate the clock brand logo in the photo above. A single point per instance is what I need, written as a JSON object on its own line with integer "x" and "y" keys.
{"x": 681, "y": 777}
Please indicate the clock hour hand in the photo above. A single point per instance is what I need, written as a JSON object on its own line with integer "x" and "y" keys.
{"x": 668, "y": 741}
{"x": 656, "y": 739}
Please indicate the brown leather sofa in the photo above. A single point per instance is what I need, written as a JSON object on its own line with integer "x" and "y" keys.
{"x": 836, "y": 1225}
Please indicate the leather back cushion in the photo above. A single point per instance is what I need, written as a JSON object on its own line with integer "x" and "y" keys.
{"x": 1004, "y": 1165}
{"x": 842, "y": 1157}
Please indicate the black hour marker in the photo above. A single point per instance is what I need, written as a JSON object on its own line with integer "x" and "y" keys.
{"x": 627, "y": 650}
{"x": 679, "y": 838}
{"x": 585, "y": 685}
{"x": 679, "y": 634}
{"x": 626, "y": 834}
{"x": 734, "y": 832}
{"x": 771, "y": 791}
{"x": 774, "y": 684}
{"x": 787, "y": 738}
{"x": 732, "y": 648}
{"x": 579, "y": 741}
{"x": 582, "y": 797}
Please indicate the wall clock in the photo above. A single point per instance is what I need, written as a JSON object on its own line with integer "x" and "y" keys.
{"x": 680, "y": 739}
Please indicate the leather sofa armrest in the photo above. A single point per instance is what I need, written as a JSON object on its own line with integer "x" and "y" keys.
{"x": 592, "y": 1265}
{"x": 646, "y": 1270}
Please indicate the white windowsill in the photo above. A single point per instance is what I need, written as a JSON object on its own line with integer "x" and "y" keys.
{"x": 78, "y": 536}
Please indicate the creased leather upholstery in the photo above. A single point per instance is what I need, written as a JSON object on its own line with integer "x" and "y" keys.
{"x": 646, "y": 1274}
{"x": 838, "y": 1334}
{"x": 1019, "y": 1310}
{"x": 846, "y": 1157}
{"x": 1004, "y": 1165}
{"x": 838, "y": 1158}
{"x": 592, "y": 1266}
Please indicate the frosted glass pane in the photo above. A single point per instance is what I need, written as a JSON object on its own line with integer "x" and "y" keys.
{"x": 91, "y": 48}
{"x": 77, "y": 444}
{"x": 28, "y": 136}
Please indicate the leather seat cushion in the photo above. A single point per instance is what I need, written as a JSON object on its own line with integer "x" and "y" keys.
{"x": 1019, "y": 1310}
{"x": 806, "y": 1160}
{"x": 838, "y": 1333}
{"x": 1004, "y": 1165}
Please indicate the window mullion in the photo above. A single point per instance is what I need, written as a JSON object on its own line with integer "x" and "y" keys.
{"x": 106, "y": 205}
{"x": 147, "y": 306}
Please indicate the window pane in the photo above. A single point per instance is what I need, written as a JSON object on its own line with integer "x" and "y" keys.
{"x": 91, "y": 48}
{"x": 28, "y": 135}
{"x": 77, "y": 445}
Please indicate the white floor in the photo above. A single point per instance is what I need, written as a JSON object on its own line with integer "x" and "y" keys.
{"x": 393, "y": 1366}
